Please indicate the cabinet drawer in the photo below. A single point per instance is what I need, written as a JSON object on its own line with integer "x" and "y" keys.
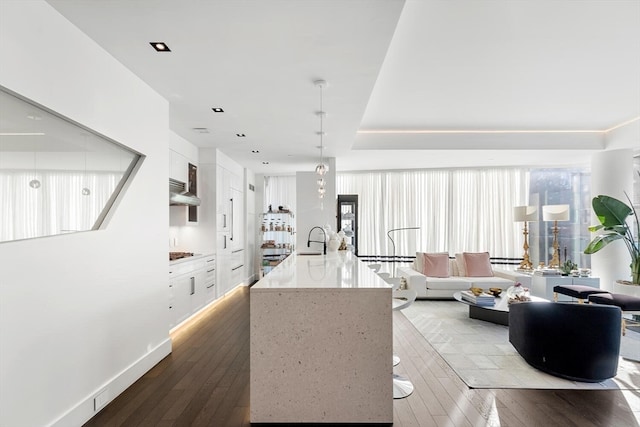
{"x": 181, "y": 268}
{"x": 210, "y": 273}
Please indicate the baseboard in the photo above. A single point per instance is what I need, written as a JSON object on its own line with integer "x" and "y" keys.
{"x": 84, "y": 410}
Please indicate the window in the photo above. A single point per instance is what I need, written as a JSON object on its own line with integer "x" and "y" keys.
{"x": 56, "y": 176}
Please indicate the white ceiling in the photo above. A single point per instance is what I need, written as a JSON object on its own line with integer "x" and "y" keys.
{"x": 427, "y": 68}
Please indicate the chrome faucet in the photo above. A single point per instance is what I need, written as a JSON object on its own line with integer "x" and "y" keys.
{"x": 324, "y": 242}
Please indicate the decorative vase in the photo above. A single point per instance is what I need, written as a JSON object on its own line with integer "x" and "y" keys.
{"x": 619, "y": 287}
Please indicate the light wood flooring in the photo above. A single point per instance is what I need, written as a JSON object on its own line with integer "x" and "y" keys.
{"x": 205, "y": 382}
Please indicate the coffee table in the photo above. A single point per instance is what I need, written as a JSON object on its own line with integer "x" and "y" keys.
{"x": 498, "y": 313}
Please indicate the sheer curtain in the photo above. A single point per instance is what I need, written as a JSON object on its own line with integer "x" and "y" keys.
{"x": 456, "y": 210}
{"x": 58, "y": 206}
{"x": 279, "y": 191}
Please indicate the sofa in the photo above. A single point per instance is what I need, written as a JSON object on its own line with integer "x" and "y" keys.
{"x": 579, "y": 342}
{"x": 432, "y": 280}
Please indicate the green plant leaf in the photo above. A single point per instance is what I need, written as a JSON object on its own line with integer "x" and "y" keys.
{"x": 600, "y": 242}
{"x": 610, "y": 211}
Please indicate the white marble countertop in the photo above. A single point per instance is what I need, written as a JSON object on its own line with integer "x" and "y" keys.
{"x": 336, "y": 270}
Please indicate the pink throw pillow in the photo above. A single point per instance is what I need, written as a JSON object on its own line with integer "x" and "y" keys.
{"x": 435, "y": 265}
{"x": 478, "y": 264}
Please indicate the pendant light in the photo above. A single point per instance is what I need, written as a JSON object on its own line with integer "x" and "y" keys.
{"x": 35, "y": 182}
{"x": 321, "y": 168}
{"x": 85, "y": 188}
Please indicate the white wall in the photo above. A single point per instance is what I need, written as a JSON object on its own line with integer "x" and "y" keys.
{"x": 313, "y": 211}
{"x": 83, "y": 311}
{"x": 612, "y": 175}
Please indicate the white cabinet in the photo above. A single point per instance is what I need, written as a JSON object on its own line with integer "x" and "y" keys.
{"x": 542, "y": 286}
{"x": 224, "y": 220}
{"x": 223, "y": 197}
{"x": 237, "y": 216}
{"x": 209, "y": 279}
{"x": 230, "y": 229}
{"x": 187, "y": 289}
{"x": 178, "y": 166}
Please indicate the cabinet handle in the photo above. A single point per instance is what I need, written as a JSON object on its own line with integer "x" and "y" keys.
{"x": 211, "y": 260}
{"x": 193, "y": 285}
{"x": 209, "y": 271}
{"x": 225, "y": 242}
{"x": 231, "y": 238}
{"x": 211, "y": 286}
{"x": 235, "y": 268}
{"x": 236, "y": 251}
{"x": 224, "y": 220}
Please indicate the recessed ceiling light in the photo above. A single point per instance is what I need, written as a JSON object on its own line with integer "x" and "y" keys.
{"x": 241, "y": 135}
{"x": 217, "y": 110}
{"x": 160, "y": 46}
{"x": 255, "y": 151}
{"x": 201, "y": 130}
{"x": 265, "y": 163}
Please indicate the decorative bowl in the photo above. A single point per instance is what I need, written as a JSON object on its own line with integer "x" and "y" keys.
{"x": 495, "y": 291}
{"x": 476, "y": 291}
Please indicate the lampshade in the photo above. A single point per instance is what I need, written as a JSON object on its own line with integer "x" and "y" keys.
{"x": 525, "y": 213}
{"x": 555, "y": 213}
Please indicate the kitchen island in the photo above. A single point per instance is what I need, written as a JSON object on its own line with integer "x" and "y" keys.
{"x": 321, "y": 343}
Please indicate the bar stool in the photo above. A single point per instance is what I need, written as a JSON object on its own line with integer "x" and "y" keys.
{"x": 402, "y": 298}
{"x": 395, "y": 285}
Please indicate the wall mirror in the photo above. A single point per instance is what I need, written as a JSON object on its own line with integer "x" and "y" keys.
{"x": 56, "y": 176}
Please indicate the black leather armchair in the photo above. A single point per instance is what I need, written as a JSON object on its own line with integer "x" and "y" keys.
{"x": 579, "y": 342}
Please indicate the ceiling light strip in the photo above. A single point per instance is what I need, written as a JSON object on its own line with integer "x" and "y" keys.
{"x": 628, "y": 122}
{"x": 435, "y": 131}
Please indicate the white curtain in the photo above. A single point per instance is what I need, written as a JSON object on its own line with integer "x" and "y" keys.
{"x": 279, "y": 191}
{"x": 457, "y": 210}
{"x": 58, "y": 206}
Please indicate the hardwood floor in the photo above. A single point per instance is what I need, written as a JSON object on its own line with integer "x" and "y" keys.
{"x": 205, "y": 382}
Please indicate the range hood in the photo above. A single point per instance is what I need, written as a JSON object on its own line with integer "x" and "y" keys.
{"x": 179, "y": 196}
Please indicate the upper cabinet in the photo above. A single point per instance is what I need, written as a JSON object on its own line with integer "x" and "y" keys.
{"x": 178, "y": 166}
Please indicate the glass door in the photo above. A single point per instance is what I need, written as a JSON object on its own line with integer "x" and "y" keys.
{"x": 348, "y": 220}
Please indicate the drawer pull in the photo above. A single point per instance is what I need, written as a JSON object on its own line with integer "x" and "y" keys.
{"x": 211, "y": 286}
{"x": 235, "y": 268}
{"x": 237, "y": 250}
{"x": 209, "y": 271}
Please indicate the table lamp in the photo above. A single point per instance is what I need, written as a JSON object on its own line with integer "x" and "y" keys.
{"x": 555, "y": 213}
{"x": 525, "y": 214}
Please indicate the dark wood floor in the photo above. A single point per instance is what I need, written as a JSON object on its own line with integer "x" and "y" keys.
{"x": 205, "y": 382}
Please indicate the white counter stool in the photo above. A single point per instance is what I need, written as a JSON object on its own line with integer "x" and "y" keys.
{"x": 395, "y": 285}
{"x": 402, "y": 298}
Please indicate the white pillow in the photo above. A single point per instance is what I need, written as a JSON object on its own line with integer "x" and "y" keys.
{"x": 462, "y": 267}
{"x": 418, "y": 264}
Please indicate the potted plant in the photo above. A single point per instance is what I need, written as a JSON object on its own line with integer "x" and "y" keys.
{"x": 613, "y": 215}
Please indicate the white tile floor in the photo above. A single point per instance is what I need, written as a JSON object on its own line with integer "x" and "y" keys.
{"x": 480, "y": 352}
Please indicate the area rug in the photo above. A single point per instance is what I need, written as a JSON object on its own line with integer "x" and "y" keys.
{"x": 480, "y": 352}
